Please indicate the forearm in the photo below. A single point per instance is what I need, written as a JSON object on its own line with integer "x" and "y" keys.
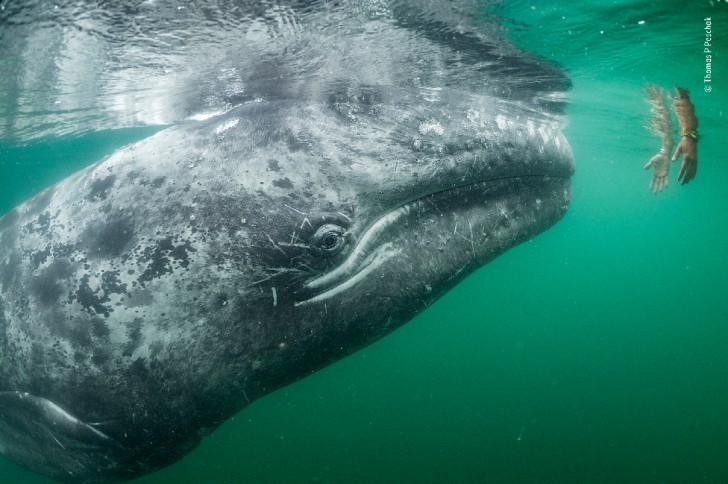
{"x": 660, "y": 123}
{"x": 685, "y": 112}
{"x": 688, "y": 123}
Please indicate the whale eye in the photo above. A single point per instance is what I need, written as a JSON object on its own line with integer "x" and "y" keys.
{"x": 328, "y": 240}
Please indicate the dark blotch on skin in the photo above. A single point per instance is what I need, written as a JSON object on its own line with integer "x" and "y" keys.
{"x": 43, "y": 222}
{"x": 273, "y": 165}
{"x": 41, "y": 225}
{"x": 100, "y": 188}
{"x": 99, "y": 328}
{"x": 90, "y": 300}
{"x": 160, "y": 258}
{"x": 38, "y": 257}
{"x": 63, "y": 250}
{"x": 46, "y": 287}
{"x": 155, "y": 183}
{"x": 283, "y": 183}
{"x": 110, "y": 283}
{"x": 110, "y": 240}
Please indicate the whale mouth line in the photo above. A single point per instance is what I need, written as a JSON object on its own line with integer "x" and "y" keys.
{"x": 368, "y": 254}
{"x": 372, "y": 262}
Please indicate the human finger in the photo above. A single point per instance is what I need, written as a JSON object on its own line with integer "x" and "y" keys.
{"x": 655, "y": 184}
{"x": 690, "y": 170}
{"x": 681, "y": 173}
{"x": 676, "y": 155}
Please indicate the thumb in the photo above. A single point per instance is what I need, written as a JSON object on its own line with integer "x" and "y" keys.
{"x": 648, "y": 165}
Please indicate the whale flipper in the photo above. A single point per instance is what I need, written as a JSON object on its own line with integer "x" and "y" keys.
{"x": 33, "y": 429}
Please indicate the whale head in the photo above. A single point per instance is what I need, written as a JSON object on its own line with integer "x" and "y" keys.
{"x": 368, "y": 161}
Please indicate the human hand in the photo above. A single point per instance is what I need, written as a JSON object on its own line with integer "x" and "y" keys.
{"x": 661, "y": 164}
{"x": 688, "y": 148}
{"x": 655, "y": 94}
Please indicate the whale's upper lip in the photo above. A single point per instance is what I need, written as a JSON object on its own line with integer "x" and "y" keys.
{"x": 545, "y": 156}
{"x": 504, "y": 148}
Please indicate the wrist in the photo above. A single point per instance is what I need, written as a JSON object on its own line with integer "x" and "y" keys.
{"x": 690, "y": 133}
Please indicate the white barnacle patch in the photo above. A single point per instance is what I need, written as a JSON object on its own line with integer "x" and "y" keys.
{"x": 530, "y": 127}
{"x": 431, "y": 127}
{"x": 502, "y": 122}
{"x": 231, "y": 123}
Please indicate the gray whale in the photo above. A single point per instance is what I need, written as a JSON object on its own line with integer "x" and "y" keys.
{"x": 151, "y": 296}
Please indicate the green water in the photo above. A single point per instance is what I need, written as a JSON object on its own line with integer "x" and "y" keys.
{"x": 596, "y": 353}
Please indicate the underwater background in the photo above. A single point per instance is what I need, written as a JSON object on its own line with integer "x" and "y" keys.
{"x": 595, "y": 353}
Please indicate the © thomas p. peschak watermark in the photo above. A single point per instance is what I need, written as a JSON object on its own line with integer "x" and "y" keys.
{"x": 708, "y": 51}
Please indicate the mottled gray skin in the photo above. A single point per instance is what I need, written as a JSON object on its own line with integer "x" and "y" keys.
{"x": 149, "y": 297}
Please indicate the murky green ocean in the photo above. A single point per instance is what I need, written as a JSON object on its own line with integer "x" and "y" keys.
{"x": 596, "y": 353}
